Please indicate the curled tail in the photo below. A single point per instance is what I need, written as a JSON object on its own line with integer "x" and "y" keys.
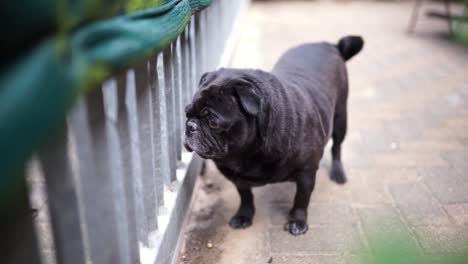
{"x": 349, "y": 46}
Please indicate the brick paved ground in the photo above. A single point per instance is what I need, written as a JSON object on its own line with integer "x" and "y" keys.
{"x": 406, "y": 152}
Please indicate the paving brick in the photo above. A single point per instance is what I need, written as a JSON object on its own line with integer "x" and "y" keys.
{"x": 368, "y": 188}
{"x": 357, "y": 259}
{"x": 320, "y": 239}
{"x": 308, "y": 260}
{"x": 327, "y": 191}
{"x": 442, "y": 239}
{"x": 383, "y": 218}
{"x": 432, "y": 146}
{"x": 323, "y": 213}
{"x": 458, "y": 124}
{"x": 399, "y": 175}
{"x": 438, "y": 133}
{"x": 283, "y": 192}
{"x": 458, "y": 162}
{"x": 458, "y": 212}
{"x": 417, "y": 205}
{"x": 446, "y": 185}
{"x": 383, "y": 227}
{"x": 409, "y": 159}
{"x": 438, "y": 258}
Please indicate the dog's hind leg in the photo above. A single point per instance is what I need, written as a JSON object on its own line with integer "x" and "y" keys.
{"x": 337, "y": 173}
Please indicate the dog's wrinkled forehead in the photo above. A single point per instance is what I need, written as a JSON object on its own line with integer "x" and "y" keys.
{"x": 216, "y": 90}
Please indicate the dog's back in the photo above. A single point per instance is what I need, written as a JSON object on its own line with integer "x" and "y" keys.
{"x": 316, "y": 72}
{"x": 314, "y": 87}
{"x": 318, "y": 64}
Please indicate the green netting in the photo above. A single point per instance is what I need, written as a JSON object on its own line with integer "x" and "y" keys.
{"x": 26, "y": 22}
{"x": 37, "y": 90}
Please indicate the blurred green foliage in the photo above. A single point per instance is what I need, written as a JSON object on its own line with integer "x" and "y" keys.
{"x": 391, "y": 246}
{"x": 460, "y": 32}
{"x": 137, "y": 5}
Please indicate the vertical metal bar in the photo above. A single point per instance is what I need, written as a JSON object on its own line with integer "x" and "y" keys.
{"x": 225, "y": 13}
{"x": 176, "y": 88}
{"x": 165, "y": 156}
{"x": 119, "y": 148}
{"x": 205, "y": 43}
{"x": 38, "y": 197}
{"x": 144, "y": 116}
{"x": 199, "y": 42}
{"x": 214, "y": 37}
{"x": 212, "y": 21}
{"x": 170, "y": 116}
{"x": 211, "y": 41}
{"x": 63, "y": 199}
{"x": 158, "y": 125}
{"x": 217, "y": 15}
{"x": 101, "y": 201}
{"x": 231, "y": 16}
{"x": 115, "y": 169}
{"x": 182, "y": 87}
{"x": 208, "y": 42}
{"x": 218, "y": 37}
{"x": 193, "y": 56}
{"x": 136, "y": 147}
{"x": 183, "y": 73}
{"x": 189, "y": 64}
{"x": 132, "y": 176}
{"x": 186, "y": 82}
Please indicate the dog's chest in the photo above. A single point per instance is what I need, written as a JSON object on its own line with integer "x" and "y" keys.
{"x": 253, "y": 174}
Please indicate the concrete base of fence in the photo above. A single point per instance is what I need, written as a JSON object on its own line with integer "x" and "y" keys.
{"x": 177, "y": 203}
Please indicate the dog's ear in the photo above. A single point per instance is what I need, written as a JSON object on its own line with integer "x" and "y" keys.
{"x": 249, "y": 99}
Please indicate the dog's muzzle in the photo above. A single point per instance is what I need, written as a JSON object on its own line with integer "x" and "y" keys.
{"x": 190, "y": 128}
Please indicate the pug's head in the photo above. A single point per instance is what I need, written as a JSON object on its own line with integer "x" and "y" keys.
{"x": 222, "y": 118}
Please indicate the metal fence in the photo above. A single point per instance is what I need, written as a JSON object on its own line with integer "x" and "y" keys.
{"x": 115, "y": 185}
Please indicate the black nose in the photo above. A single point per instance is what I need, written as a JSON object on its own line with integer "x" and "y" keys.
{"x": 191, "y": 127}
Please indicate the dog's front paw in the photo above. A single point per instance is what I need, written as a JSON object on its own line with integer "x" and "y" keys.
{"x": 240, "y": 221}
{"x": 296, "y": 227}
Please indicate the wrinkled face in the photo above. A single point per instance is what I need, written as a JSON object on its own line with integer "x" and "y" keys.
{"x": 221, "y": 117}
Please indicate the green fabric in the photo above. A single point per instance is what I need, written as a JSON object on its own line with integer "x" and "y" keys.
{"x": 26, "y": 22}
{"x": 137, "y": 5}
{"x": 37, "y": 91}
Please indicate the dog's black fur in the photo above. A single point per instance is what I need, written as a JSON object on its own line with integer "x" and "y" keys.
{"x": 261, "y": 127}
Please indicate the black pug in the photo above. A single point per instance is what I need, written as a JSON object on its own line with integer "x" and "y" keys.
{"x": 265, "y": 127}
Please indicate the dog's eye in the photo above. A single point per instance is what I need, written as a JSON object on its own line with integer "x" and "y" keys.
{"x": 203, "y": 78}
{"x": 212, "y": 124}
{"x": 205, "y": 112}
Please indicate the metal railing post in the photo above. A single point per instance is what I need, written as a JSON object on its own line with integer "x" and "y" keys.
{"x": 170, "y": 115}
